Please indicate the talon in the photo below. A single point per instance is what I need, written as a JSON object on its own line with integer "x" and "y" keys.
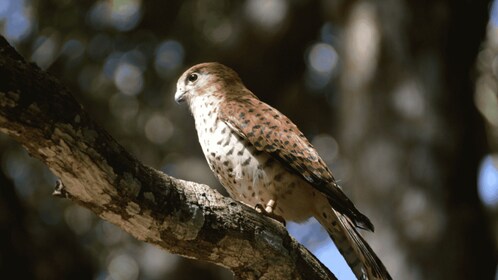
{"x": 268, "y": 211}
{"x": 259, "y": 208}
{"x": 269, "y": 206}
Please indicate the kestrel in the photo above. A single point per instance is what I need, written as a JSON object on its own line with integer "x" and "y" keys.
{"x": 263, "y": 160}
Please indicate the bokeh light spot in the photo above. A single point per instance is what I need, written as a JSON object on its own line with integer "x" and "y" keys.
{"x": 362, "y": 40}
{"x": 156, "y": 262}
{"x": 45, "y": 51}
{"x": 125, "y": 14}
{"x": 322, "y": 60}
{"x": 122, "y": 15}
{"x": 409, "y": 100}
{"x": 17, "y": 26}
{"x": 169, "y": 57}
{"x": 488, "y": 181}
{"x": 220, "y": 33}
{"x": 267, "y": 14}
{"x": 123, "y": 267}
{"x": 158, "y": 129}
{"x": 128, "y": 78}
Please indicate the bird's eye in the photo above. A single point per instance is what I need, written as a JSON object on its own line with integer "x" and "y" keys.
{"x": 192, "y": 77}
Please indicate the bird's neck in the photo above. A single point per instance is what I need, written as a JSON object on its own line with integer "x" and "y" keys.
{"x": 205, "y": 110}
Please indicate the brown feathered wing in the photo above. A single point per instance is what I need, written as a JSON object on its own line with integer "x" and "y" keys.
{"x": 270, "y": 131}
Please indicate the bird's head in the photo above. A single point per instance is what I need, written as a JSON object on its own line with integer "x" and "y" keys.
{"x": 207, "y": 78}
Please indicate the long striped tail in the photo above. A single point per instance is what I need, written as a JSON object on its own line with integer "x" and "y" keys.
{"x": 355, "y": 250}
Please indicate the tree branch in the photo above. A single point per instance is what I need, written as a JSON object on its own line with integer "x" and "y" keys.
{"x": 181, "y": 217}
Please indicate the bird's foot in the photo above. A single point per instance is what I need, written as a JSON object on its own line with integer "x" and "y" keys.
{"x": 268, "y": 211}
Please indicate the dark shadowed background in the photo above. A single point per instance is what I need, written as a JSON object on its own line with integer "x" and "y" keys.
{"x": 399, "y": 97}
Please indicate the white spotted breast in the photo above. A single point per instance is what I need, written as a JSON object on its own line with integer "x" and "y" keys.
{"x": 250, "y": 176}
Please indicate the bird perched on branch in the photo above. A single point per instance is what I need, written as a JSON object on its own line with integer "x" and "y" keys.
{"x": 263, "y": 160}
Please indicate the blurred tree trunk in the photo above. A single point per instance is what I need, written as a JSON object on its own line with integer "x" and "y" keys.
{"x": 412, "y": 137}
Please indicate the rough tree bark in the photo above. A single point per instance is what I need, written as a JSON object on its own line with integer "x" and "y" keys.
{"x": 181, "y": 217}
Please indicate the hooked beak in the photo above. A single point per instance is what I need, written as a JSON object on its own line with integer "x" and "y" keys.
{"x": 180, "y": 95}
